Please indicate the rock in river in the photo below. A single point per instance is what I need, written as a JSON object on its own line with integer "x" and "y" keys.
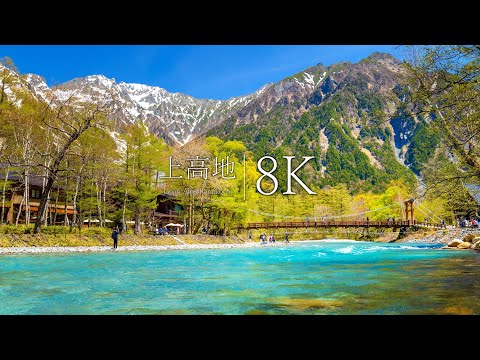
{"x": 469, "y": 238}
{"x": 464, "y": 245}
{"x": 454, "y": 243}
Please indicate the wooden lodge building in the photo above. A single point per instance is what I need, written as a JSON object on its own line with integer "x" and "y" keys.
{"x": 167, "y": 210}
{"x": 57, "y": 207}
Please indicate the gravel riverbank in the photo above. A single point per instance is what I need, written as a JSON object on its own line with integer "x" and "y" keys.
{"x": 443, "y": 236}
{"x": 70, "y": 249}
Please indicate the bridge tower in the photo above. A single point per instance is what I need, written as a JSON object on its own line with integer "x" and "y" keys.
{"x": 409, "y": 210}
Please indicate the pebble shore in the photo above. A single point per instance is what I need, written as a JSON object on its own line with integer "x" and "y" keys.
{"x": 59, "y": 249}
{"x": 442, "y": 236}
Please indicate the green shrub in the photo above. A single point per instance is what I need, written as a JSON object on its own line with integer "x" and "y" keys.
{"x": 20, "y": 229}
{"x": 55, "y": 229}
{"x": 97, "y": 231}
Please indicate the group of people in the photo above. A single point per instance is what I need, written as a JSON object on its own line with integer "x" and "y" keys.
{"x": 162, "y": 231}
{"x": 264, "y": 239}
{"x": 469, "y": 223}
{"x": 390, "y": 220}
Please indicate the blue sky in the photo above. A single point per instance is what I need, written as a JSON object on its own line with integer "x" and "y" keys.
{"x": 213, "y": 71}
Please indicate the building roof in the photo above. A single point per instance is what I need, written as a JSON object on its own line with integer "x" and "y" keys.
{"x": 35, "y": 180}
{"x": 16, "y": 175}
{"x": 166, "y": 197}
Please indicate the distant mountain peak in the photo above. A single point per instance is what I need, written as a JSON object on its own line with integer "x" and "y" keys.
{"x": 382, "y": 57}
{"x": 179, "y": 118}
{"x": 332, "y": 114}
{"x": 176, "y": 117}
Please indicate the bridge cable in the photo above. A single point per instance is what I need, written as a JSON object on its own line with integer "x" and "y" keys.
{"x": 322, "y": 217}
{"x": 327, "y": 217}
{"x": 430, "y": 212}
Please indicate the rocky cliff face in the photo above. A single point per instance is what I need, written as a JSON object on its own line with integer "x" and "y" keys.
{"x": 375, "y": 76}
{"x": 345, "y": 115}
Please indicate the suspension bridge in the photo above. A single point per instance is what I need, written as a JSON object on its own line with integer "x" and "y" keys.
{"x": 331, "y": 222}
{"x": 337, "y": 224}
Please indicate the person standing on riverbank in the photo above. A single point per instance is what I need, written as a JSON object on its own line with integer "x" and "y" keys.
{"x": 115, "y": 237}
{"x": 286, "y": 239}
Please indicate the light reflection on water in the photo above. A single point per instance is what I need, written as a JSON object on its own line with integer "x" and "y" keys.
{"x": 308, "y": 278}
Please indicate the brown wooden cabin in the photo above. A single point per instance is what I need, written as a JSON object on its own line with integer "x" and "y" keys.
{"x": 167, "y": 210}
{"x": 14, "y": 196}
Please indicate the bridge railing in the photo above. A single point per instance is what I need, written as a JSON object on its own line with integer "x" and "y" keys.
{"x": 428, "y": 224}
{"x": 330, "y": 223}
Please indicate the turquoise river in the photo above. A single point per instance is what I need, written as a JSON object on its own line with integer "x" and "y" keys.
{"x": 317, "y": 277}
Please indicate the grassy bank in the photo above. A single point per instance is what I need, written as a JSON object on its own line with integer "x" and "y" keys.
{"x": 17, "y": 236}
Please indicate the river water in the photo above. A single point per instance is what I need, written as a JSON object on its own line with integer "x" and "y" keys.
{"x": 317, "y": 277}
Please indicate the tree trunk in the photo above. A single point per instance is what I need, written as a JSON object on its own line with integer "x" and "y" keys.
{"x": 104, "y": 201}
{"x": 11, "y": 210}
{"x": 190, "y": 221}
{"x": 43, "y": 201}
{"x": 74, "y": 216}
{"x": 46, "y": 212}
{"x": 27, "y": 198}
{"x": 224, "y": 221}
{"x": 80, "y": 213}
{"x": 2, "y": 95}
{"x": 3, "y": 194}
{"x": 99, "y": 205}
{"x": 19, "y": 211}
{"x": 185, "y": 222}
{"x": 65, "y": 207}
{"x": 124, "y": 210}
{"x": 209, "y": 220}
{"x": 137, "y": 220}
{"x": 44, "y": 184}
{"x": 56, "y": 207}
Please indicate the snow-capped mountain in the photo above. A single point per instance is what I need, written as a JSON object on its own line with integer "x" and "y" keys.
{"x": 176, "y": 117}
{"x": 328, "y": 112}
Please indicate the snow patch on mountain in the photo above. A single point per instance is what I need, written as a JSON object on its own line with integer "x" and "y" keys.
{"x": 174, "y": 116}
